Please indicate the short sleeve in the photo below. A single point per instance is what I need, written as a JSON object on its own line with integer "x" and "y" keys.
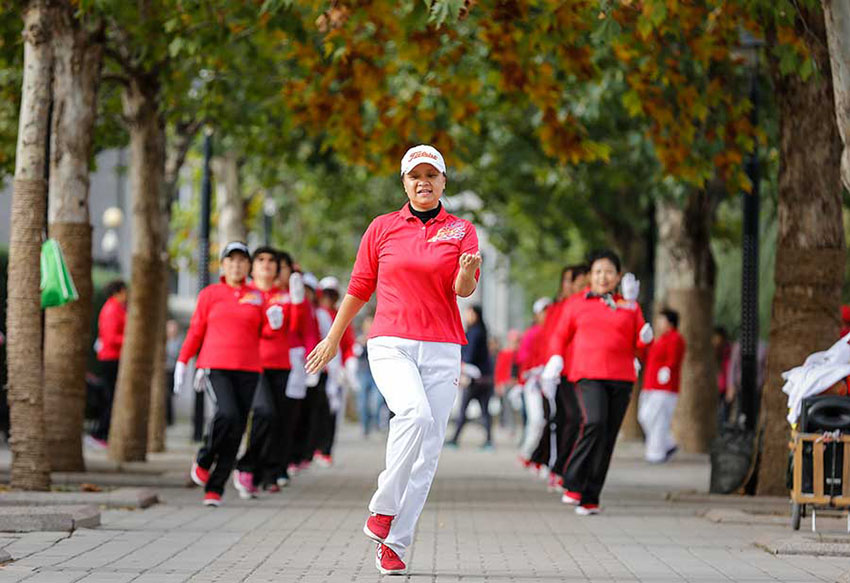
{"x": 364, "y": 275}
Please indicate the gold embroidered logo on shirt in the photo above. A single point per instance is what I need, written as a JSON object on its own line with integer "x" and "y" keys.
{"x": 451, "y": 231}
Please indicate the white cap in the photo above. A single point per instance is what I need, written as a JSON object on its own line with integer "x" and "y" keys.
{"x": 235, "y": 247}
{"x": 422, "y": 154}
{"x": 310, "y": 280}
{"x": 329, "y": 282}
{"x": 541, "y": 304}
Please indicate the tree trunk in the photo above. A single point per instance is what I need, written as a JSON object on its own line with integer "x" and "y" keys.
{"x": 129, "y": 427}
{"x": 184, "y": 133}
{"x": 810, "y": 243}
{"x": 77, "y": 64}
{"x": 837, "y": 18}
{"x": 231, "y": 207}
{"x": 30, "y": 464}
{"x": 685, "y": 273}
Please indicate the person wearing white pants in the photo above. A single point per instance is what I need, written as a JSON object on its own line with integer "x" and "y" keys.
{"x": 535, "y": 419}
{"x": 417, "y": 260}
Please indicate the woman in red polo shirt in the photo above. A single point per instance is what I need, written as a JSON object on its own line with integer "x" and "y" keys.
{"x": 606, "y": 330}
{"x": 418, "y": 259}
{"x": 226, "y": 327}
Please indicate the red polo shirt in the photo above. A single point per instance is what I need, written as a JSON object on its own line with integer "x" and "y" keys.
{"x": 413, "y": 268}
{"x": 226, "y": 327}
{"x": 274, "y": 344}
{"x": 668, "y": 350}
{"x": 604, "y": 340}
{"x": 110, "y": 329}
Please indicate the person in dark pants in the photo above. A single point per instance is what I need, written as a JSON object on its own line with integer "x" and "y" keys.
{"x": 477, "y": 366}
{"x": 264, "y": 462}
{"x": 226, "y": 327}
{"x": 606, "y": 329}
{"x": 110, "y": 339}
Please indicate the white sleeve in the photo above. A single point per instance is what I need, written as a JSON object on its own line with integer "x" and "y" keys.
{"x": 325, "y": 322}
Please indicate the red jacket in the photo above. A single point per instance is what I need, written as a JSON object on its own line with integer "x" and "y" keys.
{"x": 110, "y": 329}
{"x": 605, "y": 340}
{"x": 667, "y": 351}
{"x": 527, "y": 350}
{"x": 303, "y": 333}
{"x": 274, "y": 344}
{"x": 503, "y": 373}
{"x": 226, "y": 327}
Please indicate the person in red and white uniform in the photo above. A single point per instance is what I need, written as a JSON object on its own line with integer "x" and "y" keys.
{"x": 661, "y": 387}
{"x": 606, "y": 330}
{"x": 306, "y": 427}
{"x": 528, "y": 357}
{"x": 264, "y": 462}
{"x": 226, "y": 328}
{"x": 419, "y": 260}
{"x": 110, "y": 339}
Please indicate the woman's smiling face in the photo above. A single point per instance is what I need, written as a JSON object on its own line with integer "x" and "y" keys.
{"x": 424, "y": 185}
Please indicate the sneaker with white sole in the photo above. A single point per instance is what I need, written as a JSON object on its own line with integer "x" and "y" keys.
{"x": 199, "y": 475}
{"x": 212, "y": 499}
{"x": 377, "y": 527}
{"x": 244, "y": 484}
{"x": 571, "y": 498}
{"x": 388, "y": 562}
{"x": 588, "y": 509}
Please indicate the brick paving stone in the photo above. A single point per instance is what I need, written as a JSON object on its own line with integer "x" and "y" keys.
{"x": 486, "y": 520}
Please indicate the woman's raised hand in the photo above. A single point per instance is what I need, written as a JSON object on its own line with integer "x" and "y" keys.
{"x": 470, "y": 262}
{"x": 321, "y": 356}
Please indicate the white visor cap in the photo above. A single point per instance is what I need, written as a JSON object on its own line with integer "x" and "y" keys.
{"x": 329, "y": 282}
{"x": 422, "y": 154}
{"x": 541, "y": 304}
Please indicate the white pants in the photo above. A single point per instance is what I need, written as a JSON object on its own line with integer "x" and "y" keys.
{"x": 655, "y": 414}
{"x": 419, "y": 382}
{"x": 296, "y": 384}
{"x": 535, "y": 421}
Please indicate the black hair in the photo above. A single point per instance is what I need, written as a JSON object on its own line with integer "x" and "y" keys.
{"x": 672, "y": 316}
{"x": 480, "y": 314}
{"x": 285, "y": 257}
{"x": 565, "y": 270}
{"x": 115, "y": 286}
{"x": 722, "y": 331}
{"x": 580, "y": 269}
{"x": 331, "y": 293}
{"x": 600, "y": 254}
{"x": 268, "y": 250}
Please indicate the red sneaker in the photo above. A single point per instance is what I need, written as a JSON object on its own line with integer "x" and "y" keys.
{"x": 199, "y": 475}
{"x": 388, "y": 562}
{"x": 571, "y": 498}
{"x": 212, "y": 499}
{"x": 377, "y": 527}
{"x": 588, "y": 509}
{"x": 555, "y": 483}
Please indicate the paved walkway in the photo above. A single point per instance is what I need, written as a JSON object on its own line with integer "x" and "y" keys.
{"x": 486, "y": 520}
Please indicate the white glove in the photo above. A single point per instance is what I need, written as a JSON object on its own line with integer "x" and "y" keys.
{"x": 515, "y": 397}
{"x": 646, "y": 334}
{"x": 200, "y": 380}
{"x": 357, "y": 349}
{"x": 312, "y": 380}
{"x": 637, "y": 367}
{"x": 549, "y": 387}
{"x": 275, "y": 316}
{"x": 179, "y": 376}
{"x": 630, "y": 286}
{"x": 664, "y": 375}
{"x": 553, "y": 368}
{"x": 351, "y": 368}
{"x": 296, "y": 288}
{"x": 98, "y": 344}
{"x": 471, "y": 370}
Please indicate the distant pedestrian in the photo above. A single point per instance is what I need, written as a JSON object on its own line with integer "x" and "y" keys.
{"x": 173, "y": 341}
{"x": 661, "y": 380}
{"x": 418, "y": 259}
{"x": 477, "y": 366}
{"x": 371, "y": 402}
{"x": 110, "y": 340}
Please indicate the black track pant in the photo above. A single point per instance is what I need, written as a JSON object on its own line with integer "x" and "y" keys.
{"x": 603, "y": 405}
{"x": 543, "y": 453}
{"x": 110, "y": 377}
{"x": 480, "y": 392}
{"x": 304, "y": 438}
{"x": 318, "y": 430}
{"x": 265, "y": 456}
{"x": 567, "y": 423}
{"x": 232, "y": 392}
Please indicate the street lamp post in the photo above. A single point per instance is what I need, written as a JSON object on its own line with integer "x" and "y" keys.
{"x": 750, "y": 259}
{"x": 203, "y": 264}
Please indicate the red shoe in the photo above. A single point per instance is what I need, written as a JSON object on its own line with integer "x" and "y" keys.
{"x": 244, "y": 484}
{"x": 555, "y": 483}
{"x": 212, "y": 499}
{"x": 323, "y": 461}
{"x": 523, "y": 463}
{"x": 377, "y": 527}
{"x": 571, "y": 498}
{"x": 388, "y": 562}
{"x": 588, "y": 509}
{"x": 199, "y": 475}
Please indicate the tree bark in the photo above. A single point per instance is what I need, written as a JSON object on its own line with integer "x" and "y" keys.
{"x": 685, "y": 273}
{"x": 78, "y": 55}
{"x": 231, "y": 207}
{"x": 837, "y": 18}
{"x": 176, "y": 152}
{"x": 810, "y": 242}
{"x": 129, "y": 427}
{"x": 30, "y": 465}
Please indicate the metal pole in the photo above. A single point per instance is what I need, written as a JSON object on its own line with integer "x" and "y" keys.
{"x": 203, "y": 264}
{"x": 749, "y": 277}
